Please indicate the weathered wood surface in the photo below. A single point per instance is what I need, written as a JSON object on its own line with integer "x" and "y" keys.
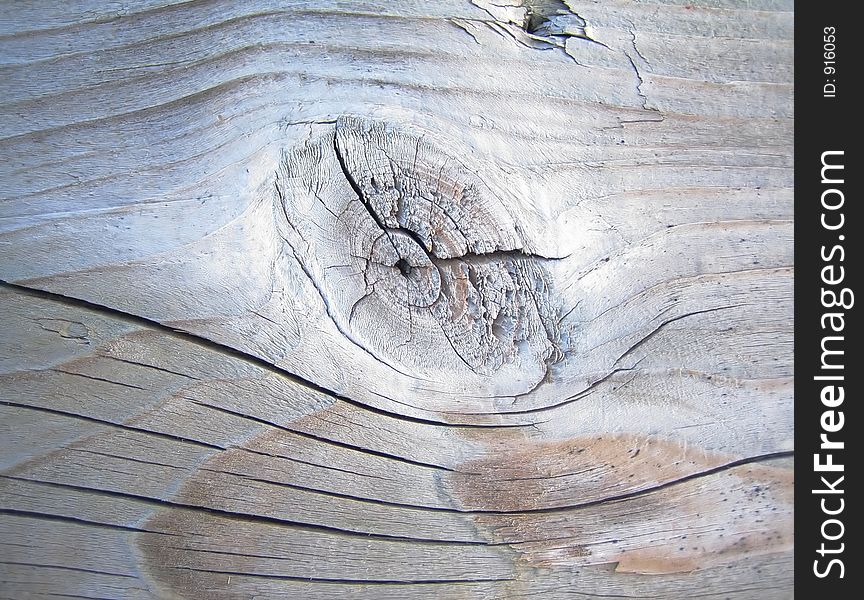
{"x": 396, "y": 299}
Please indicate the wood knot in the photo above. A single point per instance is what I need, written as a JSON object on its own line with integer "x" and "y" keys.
{"x": 405, "y": 274}
{"x": 416, "y": 255}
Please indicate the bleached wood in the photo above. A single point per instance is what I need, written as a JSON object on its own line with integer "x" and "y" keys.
{"x": 396, "y": 299}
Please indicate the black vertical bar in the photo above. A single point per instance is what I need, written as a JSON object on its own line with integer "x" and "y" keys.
{"x": 828, "y": 345}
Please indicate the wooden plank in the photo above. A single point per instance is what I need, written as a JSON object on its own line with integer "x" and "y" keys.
{"x": 396, "y": 299}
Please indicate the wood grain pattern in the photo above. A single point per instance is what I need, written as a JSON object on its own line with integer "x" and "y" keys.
{"x": 396, "y": 299}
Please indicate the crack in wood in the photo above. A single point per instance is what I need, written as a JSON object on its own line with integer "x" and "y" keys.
{"x": 237, "y": 354}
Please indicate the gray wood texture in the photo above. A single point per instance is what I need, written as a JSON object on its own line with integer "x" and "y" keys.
{"x": 396, "y": 299}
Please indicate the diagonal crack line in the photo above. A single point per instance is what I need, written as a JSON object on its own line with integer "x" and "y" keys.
{"x": 569, "y": 400}
{"x": 668, "y": 484}
{"x": 632, "y": 30}
{"x": 112, "y": 424}
{"x": 462, "y": 24}
{"x": 46, "y": 565}
{"x": 324, "y": 440}
{"x": 356, "y": 186}
{"x": 350, "y": 582}
{"x": 76, "y": 520}
{"x": 228, "y": 514}
{"x": 94, "y": 378}
{"x": 235, "y": 353}
{"x": 368, "y": 206}
{"x": 139, "y": 363}
{"x": 659, "y": 327}
{"x": 639, "y": 85}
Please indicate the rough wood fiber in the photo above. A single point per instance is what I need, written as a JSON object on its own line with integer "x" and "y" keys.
{"x": 396, "y": 299}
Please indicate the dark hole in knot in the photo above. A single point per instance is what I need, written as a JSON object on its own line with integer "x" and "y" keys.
{"x": 404, "y": 267}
